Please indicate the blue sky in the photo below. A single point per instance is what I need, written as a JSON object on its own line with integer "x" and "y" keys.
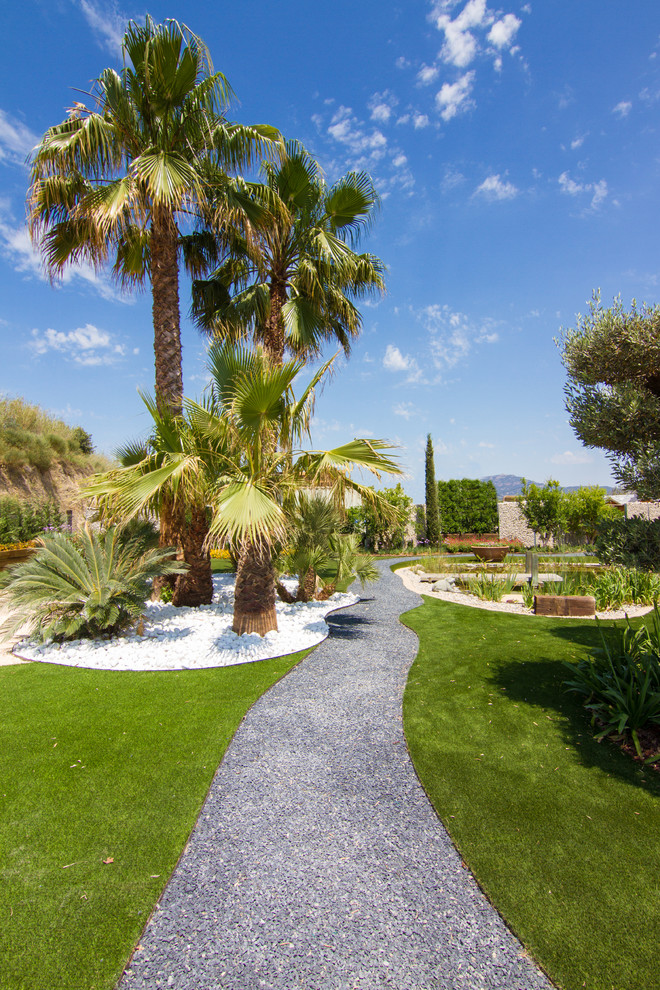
{"x": 516, "y": 152}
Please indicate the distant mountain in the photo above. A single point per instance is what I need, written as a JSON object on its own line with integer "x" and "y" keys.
{"x": 511, "y": 484}
{"x": 506, "y": 484}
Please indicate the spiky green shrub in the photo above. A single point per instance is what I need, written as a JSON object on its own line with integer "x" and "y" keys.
{"x": 620, "y": 682}
{"x": 94, "y": 586}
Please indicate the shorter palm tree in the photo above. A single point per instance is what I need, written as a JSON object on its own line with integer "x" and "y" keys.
{"x": 316, "y": 546}
{"x": 242, "y": 458}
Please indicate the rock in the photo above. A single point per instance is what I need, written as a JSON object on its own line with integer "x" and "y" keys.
{"x": 444, "y": 584}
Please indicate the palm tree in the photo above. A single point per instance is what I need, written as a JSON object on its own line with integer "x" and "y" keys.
{"x": 179, "y": 462}
{"x": 118, "y": 181}
{"x": 250, "y": 466}
{"x": 289, "y": 281}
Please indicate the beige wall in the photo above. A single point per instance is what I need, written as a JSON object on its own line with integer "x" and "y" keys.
{"x": 647, "y": 510}
{"x": 514, "y": 527}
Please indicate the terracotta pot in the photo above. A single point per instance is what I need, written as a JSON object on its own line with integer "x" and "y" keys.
{"x": 491, "y": 555}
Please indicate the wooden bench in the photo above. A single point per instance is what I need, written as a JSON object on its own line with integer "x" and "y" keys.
{"x": 575, "y": 605}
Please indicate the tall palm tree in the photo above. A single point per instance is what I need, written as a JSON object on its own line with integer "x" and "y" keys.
{"x": 118, "y": 181}
{"x": 115, "y": 182}
{"x": 247, "y": 479}
{"x": 289, "y": 282}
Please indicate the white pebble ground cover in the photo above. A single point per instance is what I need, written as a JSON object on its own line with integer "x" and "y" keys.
{"x": 192, "y": 638}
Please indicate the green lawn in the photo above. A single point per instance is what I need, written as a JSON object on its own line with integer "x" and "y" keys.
{"x": 561, "y": 832}
{"x": 99, "y": 765}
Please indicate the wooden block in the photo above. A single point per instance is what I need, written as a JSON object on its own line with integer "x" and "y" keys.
{"x": 575, "y": 605}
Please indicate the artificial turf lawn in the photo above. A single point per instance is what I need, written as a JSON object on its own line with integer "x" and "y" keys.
{"x": 98, "y": 765}
{"x": 561, "y": 832}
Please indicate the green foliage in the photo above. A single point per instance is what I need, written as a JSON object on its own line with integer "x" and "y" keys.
{"x": 612, "y": 588}
{"x": 292, "y": 283}
{"x": 84, "y": 440}
{"x": 467, "y": 506}
{"x": 381, "y": 525}
{"x": 346, "y": 561}
{"x": 621, "y": 680}
{"x": 582, "y": 512}
{"x": 311, "y": 521}
{"x": 431, "y": 497}
{"x": 630, "y": 542}
{"x": 613, "y": 392}
{"x": 490, "y": 588}
{"x": 95, "y": 585}
{"x": 22, "y": 521}
{"x": 420, "y": 522}
{"x": 30, "y": 436}
{"x": 542, "y": 507}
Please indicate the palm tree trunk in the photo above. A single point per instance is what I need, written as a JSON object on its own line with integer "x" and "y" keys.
{"x": 254, "y": 597}
{"x": 195, "y": 587}
{"x": 165, "y": 309}
{"x": 170, "y": 527}
{"x": 167, "y": 350}
{"x": 274, "y": 326}
{"x": 307, "y": 587}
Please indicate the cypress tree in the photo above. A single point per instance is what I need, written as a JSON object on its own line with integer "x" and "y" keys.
{"x": 432, "y": 515}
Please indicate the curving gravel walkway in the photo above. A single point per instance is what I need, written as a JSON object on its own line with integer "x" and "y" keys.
{"x": 318, "y": 862}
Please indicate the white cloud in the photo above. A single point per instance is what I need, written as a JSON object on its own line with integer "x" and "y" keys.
{"x": 461, "y": 46}
{"x": 571, "y": 457}
{"x": 600, "y": 193}
{"x": 454, "y": 98}
{"x": 381, "y": 106}
{"x": 598, "y": 189}
{"x": 503, "y": 31}
{"x": 346, "y": 129}
{"x": 420, "y": 120}
{"x": 451, "y": 179}
{"x": 569, "y": 186}
{"x": 405, "y": 409}
{"x": 427, "y": 74}
{"x": 16, "y": 140}
{"x": 494, "y": 188}
{"x": 16, "y": 247}
{"x": 577, "y": 142}
{"x": 623, "y": 108}
{"x": 394, "y": 360}
{"x": 107, "y": 22}
{"x": 488, "y": 446}
{"x": 366, "y": 147}
{"x": 453, "y": 334}
{"x": 87, "y": 346}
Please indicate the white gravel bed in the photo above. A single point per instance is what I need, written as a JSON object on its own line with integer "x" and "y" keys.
{"x": 193, "y": 638}
{"x": 510, "y": 603}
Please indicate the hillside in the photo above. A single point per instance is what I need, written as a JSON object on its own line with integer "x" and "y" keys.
{"x": 42, "y": 459}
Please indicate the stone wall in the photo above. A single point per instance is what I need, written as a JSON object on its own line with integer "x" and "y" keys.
{"x": 513, "y": 526}
{"x": 647, "y": 510}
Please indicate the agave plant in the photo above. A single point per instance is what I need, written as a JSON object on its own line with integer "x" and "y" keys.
{"x": 96, "y": 585}
{"x": 620, "y": 682}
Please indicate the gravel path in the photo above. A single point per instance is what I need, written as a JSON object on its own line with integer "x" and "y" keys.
{"x": 317, "y": 862}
